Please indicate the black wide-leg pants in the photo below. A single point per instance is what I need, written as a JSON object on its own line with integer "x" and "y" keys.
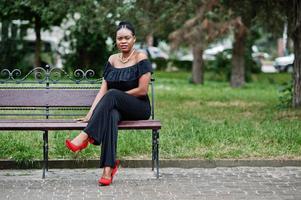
{"x": 114, "y": 106}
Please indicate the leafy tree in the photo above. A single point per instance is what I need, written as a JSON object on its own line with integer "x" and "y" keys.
{"x": 285, "y": 11}
{"x": 295, "y": 30}
{"x": 243, "y": 12}
{"x": 205, "y": 26}
{"x": 40, "y": 14}
{"x": 194, "y": 23}
{"x": 148, "y": 17}
{"x": 87, "y": 36}
{"x": 9, "y": 54}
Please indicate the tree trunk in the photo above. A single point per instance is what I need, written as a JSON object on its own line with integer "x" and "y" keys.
{"x": 297, "y": 71}
{"x": 4, "y": 30}
{"x": 37, "y": 59}
{"x": 238, "y": 60}
{"x": 197, "y": 65}
{"x": 297, "y": 51}
{"x": 86, "y": 60}
{"x": 5, "y": 49}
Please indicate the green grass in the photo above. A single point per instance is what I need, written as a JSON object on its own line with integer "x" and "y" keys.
{"x": 211, "y": 121}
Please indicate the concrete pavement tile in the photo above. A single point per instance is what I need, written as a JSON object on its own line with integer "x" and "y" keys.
{"x": 139, "y": 183}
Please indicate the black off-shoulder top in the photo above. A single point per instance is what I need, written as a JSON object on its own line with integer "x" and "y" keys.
{"x": 126, "y": 78}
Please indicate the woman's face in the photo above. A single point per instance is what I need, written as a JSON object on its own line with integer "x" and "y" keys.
{"x": 125, "y": 40}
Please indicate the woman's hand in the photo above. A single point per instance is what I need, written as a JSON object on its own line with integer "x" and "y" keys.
{"x": 83, "y": 119}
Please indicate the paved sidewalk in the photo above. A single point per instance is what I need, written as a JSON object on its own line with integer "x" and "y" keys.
{"x": 139, "y": 183}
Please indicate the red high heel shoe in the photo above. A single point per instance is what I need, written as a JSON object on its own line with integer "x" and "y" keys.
{"x": 115, "y": 169}
{"x": 91, "y": 140}
{"x": 104, "y": 181}
{"x": 76, "y": 148}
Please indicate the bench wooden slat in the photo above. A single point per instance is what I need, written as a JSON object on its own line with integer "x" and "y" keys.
{"x": 71, "y": 125}
{"x": 47, "y": 97}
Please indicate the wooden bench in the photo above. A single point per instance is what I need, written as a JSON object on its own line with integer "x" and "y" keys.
{"x": 48, "y": 101}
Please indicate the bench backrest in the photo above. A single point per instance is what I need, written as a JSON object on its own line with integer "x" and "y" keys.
{"x": 45, "y": 98}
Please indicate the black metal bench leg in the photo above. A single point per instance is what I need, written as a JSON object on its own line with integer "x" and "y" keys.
{"x": 45, "y": 153}
{"x": 157, "y": 152}
{"x": 153, "y": 149}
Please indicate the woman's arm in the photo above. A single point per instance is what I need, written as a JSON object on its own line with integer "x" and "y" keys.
{"x": 142, "y": 88}
{"x": 144, "y": 80}
{"x": 100, "y": 94}
{"x": 102, "y": 91}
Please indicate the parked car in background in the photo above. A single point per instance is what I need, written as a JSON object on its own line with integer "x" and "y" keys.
{"x": 284, "y": 63}
{"x": 154, "y": 52}
{"x": 208, "y": 54}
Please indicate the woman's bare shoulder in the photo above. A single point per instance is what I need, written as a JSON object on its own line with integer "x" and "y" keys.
{"x": 112, "y": 58}
{"x": 141, "y": 56}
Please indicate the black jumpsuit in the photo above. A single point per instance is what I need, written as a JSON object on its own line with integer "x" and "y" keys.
{"x": 117, "y": 105}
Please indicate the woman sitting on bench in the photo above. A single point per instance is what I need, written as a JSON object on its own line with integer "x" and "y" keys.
{"x": 122, "y": 96}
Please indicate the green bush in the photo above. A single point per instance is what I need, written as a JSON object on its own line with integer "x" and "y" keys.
{"x": 251, "y": 67}
{"x": 160, "y": 63}
{"x": 182, "y": 65}
{"x": 20, "y": 54}
{"x": 89, "y": 51}
{"x": 286, "y": 95}
{"x": 221, "y": 66}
